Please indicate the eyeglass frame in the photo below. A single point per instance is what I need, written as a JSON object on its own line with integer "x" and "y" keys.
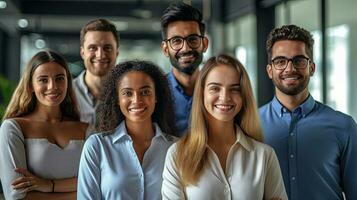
{"x": 292, "y": 62}
{"x": 185, "y": 40}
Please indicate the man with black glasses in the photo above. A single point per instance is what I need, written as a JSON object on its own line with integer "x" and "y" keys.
{"x": 184, "y": 43}
{"x": 316, "y": 145}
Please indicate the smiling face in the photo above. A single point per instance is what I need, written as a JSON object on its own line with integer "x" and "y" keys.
{"x": 222, "y": 94}
{"x": 99, "y": 52}
{"x": 290, "y": 81}
{"x": 49, "y": 83}
{"x": 185, "y": 60}
{"x": 137, "y": 97}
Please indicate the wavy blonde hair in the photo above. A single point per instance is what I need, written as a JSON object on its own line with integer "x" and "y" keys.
{"x": 23, "y": 100}
{"x": 191, "y": 154}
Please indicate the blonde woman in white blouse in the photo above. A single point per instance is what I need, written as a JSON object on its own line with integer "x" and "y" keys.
{"x": 221, "y": 156}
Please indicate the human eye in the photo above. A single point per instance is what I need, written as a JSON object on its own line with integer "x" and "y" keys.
{"x": 60, "y": 78}
{"x": 193, "y": 39}
{"x": 300, "y": 61}
{"x": 108, "y": 48}
{"x": 280, "y": 61}
{"x": 213, "y": 88}
{"x": 146, "y": 92}
{"x": 127, "y": 93}
{"x": 176, "y": 40}
{"x": 236, "y": 89}
{"x": 92, "y": 48}
{"x": 42, "y": 80}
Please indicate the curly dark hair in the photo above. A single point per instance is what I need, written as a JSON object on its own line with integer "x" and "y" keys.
{"x": 180, "y": 12}
{"x": 290, "y": 32}
{"x": 109, "y": 115}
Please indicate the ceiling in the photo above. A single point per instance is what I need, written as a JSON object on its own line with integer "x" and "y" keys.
{"x": 133, "y": 18}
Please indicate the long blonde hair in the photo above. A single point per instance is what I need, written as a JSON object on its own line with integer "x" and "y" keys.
{"x": 23, "y": 100}
{"x": 191, "y": 154}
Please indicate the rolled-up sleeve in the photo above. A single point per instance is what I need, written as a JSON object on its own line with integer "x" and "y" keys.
{"x": 12, "y": 156}
{"x": 89, "y": 176}
{"x": 172, "y": 188}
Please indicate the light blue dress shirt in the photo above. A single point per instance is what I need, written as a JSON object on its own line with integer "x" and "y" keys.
{"x": 316, "y": 147}
{"x": 110, "y": 169}
{"x": 182, "y": 104}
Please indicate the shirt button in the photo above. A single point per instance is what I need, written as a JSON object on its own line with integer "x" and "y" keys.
{"x": 293, "y": 178}
{"x": 291, "y": 134}
{"x": 292, "y": 156}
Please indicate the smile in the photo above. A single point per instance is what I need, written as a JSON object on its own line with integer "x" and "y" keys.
{"x": 224, "y": 108}
{"x": 136, "y": 110}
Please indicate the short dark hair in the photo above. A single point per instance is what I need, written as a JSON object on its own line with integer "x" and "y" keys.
{"x": 109, "y": 115}
{"x": 180, "y": 12}
{"x": 99, "y": 25}
{"x": 290, "y": 32}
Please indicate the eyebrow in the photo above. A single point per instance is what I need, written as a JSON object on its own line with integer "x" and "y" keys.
{"x": 218, "y": 84}
{"x": 144, "y": 87}
{"x": 45, "y": 76}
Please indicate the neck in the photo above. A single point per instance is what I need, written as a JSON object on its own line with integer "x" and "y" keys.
{"x": 143, "y": 131}
{"x": 94, "y": 83}
{"x": 48, "y": 114}
{"x": 220, "y": 132}
{"x": 186, "y": 81}
{"x": 291, "y": 101}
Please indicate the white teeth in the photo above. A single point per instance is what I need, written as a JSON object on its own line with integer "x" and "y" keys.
{"x": 291, "y": 78}
{"x": 136, "y": 109}
{"x": 224, "y": 107}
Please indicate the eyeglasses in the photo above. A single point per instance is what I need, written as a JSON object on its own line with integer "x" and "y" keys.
{"x": 176, "y": 42}
{"x": 299, "y": 62}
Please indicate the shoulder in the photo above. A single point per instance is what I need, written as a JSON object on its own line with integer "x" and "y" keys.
{"x": 259, "y": 147}
{"x": 338, "y": 117}
{"x": 10, "y": 126}
{"x": 263, "y": 109}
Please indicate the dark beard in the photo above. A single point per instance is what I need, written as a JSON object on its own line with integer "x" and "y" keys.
{"x": 190, "y": 69}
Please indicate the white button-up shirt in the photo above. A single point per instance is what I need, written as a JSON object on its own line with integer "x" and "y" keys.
{"x": 110, "y": 169}
{"x": 252, "y": 173}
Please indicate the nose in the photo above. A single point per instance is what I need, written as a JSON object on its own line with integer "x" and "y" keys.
{"x": 99, "y": 52}
{"x": 52, "y": 84}
{"x": 136, "y": 97}
{"x": 224, "y": 95}
{"x": 185, "y": 46}
{"x": 290, "y": 66}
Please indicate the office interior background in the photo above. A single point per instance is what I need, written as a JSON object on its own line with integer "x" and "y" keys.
{"x": 238, "y": 27}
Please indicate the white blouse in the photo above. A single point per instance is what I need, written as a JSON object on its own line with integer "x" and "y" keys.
{"x": 252, "y": 172}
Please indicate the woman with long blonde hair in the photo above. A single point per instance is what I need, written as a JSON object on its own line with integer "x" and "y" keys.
{"x": 41, "y": 137}
{"x": 221, "y": 156}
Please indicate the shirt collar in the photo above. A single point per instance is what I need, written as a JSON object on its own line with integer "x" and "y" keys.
{"x": 174, "y": 83}
{"x": 242, "y": 139}
{"x": 82, "y": 82}
{"x": 122, "y": 133}
{"x": 306, "y": 107}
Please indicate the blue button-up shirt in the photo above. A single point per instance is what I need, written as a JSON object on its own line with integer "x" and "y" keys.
{"x": 110, "y": 169}
{"x": 316, "y": 147}
{"x": 182, "y": 104}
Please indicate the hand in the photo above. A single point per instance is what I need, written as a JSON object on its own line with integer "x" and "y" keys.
{"x": 29, "y": 182}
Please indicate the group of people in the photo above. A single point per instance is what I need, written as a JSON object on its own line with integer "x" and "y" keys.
{"x": 129, "y": 131}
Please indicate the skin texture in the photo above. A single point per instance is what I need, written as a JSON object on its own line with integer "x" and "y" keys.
{"x": 49, "y": 83}
{"x": 99, "y": 52}
{"x": 291, "y": 84}
{"x": 222, "y": 96}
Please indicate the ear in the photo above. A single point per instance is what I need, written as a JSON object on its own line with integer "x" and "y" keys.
{"x": 81, "y": 51}
{"x": 165, "y": 48}
{"x": 205, "y": 43}
{"x": 269, "y": 69}
{"x": 312, "y": 68}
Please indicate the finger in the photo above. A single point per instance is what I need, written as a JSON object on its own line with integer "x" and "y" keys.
{"x": 21, "y": 185}
{"x": 19, "y": 180}
{"x": 31, "y": 188}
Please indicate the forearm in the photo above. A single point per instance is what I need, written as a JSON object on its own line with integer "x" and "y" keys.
{"x": 65, "y": 185}
{"x": 53, "y": 196}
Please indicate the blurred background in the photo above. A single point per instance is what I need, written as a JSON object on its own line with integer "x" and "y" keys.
{"x": 238, "y": 27}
